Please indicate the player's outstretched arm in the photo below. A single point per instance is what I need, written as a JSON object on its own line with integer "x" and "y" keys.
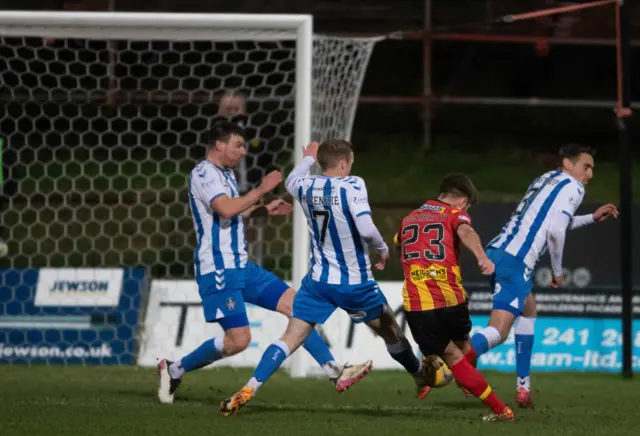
{"x": 301, "y": 170}
{"x": 470, "y": 238}
{"x": 601, "y": 214}
{"x": 275, "y": 207}
{"x": 228, "y": 207}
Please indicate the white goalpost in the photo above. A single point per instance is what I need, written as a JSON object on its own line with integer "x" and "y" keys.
{"x": 193, "y": 27}
{"x": 102, "y": 112}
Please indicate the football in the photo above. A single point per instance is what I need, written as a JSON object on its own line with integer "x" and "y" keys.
{"x": 436, "y": 372}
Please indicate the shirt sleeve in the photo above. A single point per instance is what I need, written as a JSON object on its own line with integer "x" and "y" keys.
{"x": 296, "y": 177}
{"x": 581, "y": 221}
{"x": 357, "y": 197}
{"x": 555, "y": 240}
{"x": 370, "y": 233}
{"x": 569, "y": 199}
{"x": 207, "y": 185}
{"x": 459, "y": 217}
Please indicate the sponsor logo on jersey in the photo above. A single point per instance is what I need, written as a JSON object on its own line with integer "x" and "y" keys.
{"x": 433, "y": 272}
{"x": 432, "y": 207}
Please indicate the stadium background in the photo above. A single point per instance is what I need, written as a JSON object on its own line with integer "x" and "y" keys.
{"x": 405, "y": 145}
{"x": 498, "y": 102}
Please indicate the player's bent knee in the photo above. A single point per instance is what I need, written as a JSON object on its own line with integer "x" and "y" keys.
{"x": 530, "y": 310}
{"x": 502, "y": 321}
{"x": 464, "y": 346}
{"x": 285, "y": 304}
{"x": 387, "y": 327}
{"x": 296, "y": 333}
{"x": 237, "y": 340}
{"x": 452, "y": 354}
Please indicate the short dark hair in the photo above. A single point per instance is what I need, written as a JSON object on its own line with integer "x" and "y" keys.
{"x": 459, "y": 185}
{"x": 221, "y": 130}
{"x": 572, "y": 151}
{"x": 330, "y": 152}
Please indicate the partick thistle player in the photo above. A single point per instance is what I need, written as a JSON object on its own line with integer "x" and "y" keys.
{"x": 435, "y": 303}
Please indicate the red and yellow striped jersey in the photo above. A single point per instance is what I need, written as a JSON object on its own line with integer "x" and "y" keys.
{"x": 430, "y": 256}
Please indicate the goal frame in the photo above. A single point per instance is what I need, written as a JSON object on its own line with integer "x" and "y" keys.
{"x": 192, "y": 27}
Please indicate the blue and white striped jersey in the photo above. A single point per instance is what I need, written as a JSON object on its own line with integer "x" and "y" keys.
{"x": 221, "y": 241}
{"x": 339, "y": 255}
{"x": 525, "y": 234}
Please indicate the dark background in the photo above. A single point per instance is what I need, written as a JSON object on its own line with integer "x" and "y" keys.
{"x": 395, "y": 73}
{"x": 461, "y": 68}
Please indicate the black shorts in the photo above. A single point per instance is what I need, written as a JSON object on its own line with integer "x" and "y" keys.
{"x": 434, "y": 329}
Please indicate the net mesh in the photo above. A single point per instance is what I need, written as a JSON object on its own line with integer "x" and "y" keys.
{"x": 101, "y": 136}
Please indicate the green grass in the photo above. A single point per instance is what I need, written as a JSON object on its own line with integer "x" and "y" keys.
{"x": 74, "y": 401}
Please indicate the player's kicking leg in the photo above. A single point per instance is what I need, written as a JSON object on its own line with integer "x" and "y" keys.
{"x": 524, "y": 330}
{"x": 398, "y": 346}
{"x": 236, "y": 339}
{"x": 443, "y": 332}
{"x": 266, "y": 290}
{"x": 471, "y": 380}
{"x": 309, "y": 308}
{"x": 273, "y": 358}
{"x": 512, "y": 284}
{"x": 228, "y": 310}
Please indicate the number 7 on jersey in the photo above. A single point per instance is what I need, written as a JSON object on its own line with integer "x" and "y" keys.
{"x": 323, "y": 217}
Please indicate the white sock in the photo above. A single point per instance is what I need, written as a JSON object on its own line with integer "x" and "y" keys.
{"x": 492, "y": 336}
{"x": 525, "y": 325}
{"x": 176, "y": 370}
{"x": 255, "y": 384}
{"x": 523, "y": 382}
{"x": 398, "y": 348}
{"x": 218, "y": 342}
{"x": 332, "y": 369}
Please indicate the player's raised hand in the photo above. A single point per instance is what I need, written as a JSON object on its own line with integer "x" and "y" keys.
{"x": 311, "y": 150}
{"x": 270, "y": 181}
{"x": 487, "y": 267}
{"x": 604, "y": 212}
{"x": 382, "y": 262}
{"x": 279, "y": 207}
{"x": 557, "y": 282}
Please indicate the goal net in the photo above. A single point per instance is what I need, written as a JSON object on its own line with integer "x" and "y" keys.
{"x": 105, "y": 114}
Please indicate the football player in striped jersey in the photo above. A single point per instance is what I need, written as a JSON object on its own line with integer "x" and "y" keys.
{"x": 226, "y": 278}
{"x": 435, "y": 302}
{"x": 538, "y": 224}
{"x": 342, "y": 230}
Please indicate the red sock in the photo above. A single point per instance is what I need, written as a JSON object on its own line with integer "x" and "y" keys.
{"x": 472, "y": 357}
{"x": 474, "y": 382}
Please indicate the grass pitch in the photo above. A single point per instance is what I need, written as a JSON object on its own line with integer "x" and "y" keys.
{"x": 78, "y": 401}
